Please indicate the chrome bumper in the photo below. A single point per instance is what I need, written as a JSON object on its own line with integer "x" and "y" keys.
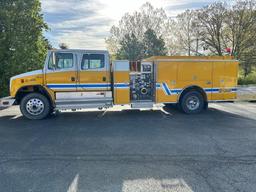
{"x": 6, "y": 102}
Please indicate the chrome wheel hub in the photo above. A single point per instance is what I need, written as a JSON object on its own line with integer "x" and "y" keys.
{"x": 192, "y": 103}
{"x": 35, "y": 106}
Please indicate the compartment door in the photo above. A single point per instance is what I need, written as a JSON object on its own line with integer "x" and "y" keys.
{"x": 230, "y": 80}
{"x": 218, "y": 80}
{"x": 224, "y": 80}
{"x": 166, "y": 82}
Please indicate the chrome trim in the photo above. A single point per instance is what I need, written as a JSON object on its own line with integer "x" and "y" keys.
{"x": 10, "y": 101}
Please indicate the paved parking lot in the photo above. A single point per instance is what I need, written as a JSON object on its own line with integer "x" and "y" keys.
{"x": 130, "y": 151}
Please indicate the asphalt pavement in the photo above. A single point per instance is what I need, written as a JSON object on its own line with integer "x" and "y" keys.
{"x": 122, "y": 150}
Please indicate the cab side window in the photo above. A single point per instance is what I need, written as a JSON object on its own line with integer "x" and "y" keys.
{"x": 93, "y": 61}
{"x": 62, "y": 61}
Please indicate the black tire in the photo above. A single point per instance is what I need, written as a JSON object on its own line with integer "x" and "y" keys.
{"x": 35, "y": 106}
{"x": 192, "y": 102}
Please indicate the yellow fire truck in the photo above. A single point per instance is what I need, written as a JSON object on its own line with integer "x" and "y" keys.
{"x": 77, "y": 79}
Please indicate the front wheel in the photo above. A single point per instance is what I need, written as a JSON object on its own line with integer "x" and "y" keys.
{"x": 192, "y": 102}
{"x": 35, "y": 106}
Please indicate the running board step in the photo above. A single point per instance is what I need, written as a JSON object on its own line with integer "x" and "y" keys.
{"x": 82, "y": 104}
{"x": 82, "y": 101}
{"x": 142, "y": 105}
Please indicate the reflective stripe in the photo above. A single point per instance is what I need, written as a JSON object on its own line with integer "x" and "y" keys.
{"x": 158, "y": 85}
{"x": 89, "y": 85}
{"x": 169, "y": 91}
{"x": 62, "y": 86}
{"x": 210, "y": 90}
{"x": 94, "y": 85}
{"x": 166, "y": 89}
{"x": 162, "y": 86}
{"x": 121, "y": 85}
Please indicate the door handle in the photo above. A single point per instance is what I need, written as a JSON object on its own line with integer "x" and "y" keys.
{"x": 73, "y": 79}
{"x": 104, "y": 78}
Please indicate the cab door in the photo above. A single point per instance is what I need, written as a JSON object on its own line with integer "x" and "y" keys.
{"x": 94, "y": 76}
{"x": 61, "y": 72}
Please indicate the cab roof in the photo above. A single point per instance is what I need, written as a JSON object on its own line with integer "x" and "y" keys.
{"x": 80, "y": 50}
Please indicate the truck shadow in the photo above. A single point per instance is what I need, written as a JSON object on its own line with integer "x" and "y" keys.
{"x": 169, "y": 115}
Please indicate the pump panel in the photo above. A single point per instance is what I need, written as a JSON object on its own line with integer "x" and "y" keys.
{"x": 142, "y": 83}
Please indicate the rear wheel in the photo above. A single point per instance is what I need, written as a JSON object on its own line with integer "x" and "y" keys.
{"x": 35, "y": 106}
{"x": 192, "y": 102}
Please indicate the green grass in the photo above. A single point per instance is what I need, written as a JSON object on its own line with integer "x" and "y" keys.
{"x": 249, "y": 80}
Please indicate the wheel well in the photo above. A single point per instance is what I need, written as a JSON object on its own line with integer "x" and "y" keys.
{"x": 23, "y": 91}
{"x": 194, "y": 88}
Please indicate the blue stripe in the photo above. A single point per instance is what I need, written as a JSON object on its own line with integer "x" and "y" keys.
{"x": 158, "y": 85}
{"x": 80, "y": 85}
{"x": 94, "y": 85}
{"x": 176, "y": 91}
{"x": 121, "y": 85}
{"x": 215, "y": 90}
{"x": 212, "y": 90}
{"x": 62, "y": 86}
{"x": 169, "y": 91}
{"x": 166, "y": 89}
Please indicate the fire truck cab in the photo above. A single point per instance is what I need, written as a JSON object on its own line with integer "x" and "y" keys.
{"x": 77, "y": 79}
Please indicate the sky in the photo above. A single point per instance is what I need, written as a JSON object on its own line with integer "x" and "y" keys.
{"x": 84, "y": 24}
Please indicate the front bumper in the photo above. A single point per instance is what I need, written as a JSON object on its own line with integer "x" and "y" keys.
{"x": 6, "y": 102}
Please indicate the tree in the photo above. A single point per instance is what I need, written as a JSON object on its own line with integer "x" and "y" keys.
{"x": 63, "y": 46}
{"x": 22, "y": 45}
{"x": 211, "y": 24}
{"x": 240, "y": 35}
{"x": 187, "y": 33}
{"x": 210, "y": 30}
{"x": 153, "y": 45}
{"x": 137, "y": 24}
{"x": 48, "y": 44}
{"x": 131, "y": 48}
